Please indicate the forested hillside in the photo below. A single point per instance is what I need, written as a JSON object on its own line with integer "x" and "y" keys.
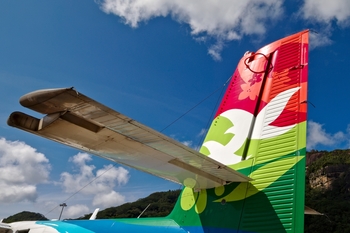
{"x": 161, "y": 204}
{"x": 328, "y": 191}
{"x": 24, "y": 216}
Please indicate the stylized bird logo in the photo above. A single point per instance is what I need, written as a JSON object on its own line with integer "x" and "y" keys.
{"x": 246, "y": 125}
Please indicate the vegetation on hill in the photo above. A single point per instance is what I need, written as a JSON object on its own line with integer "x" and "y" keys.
{"x": 161, "y": 204}
{"x": 24, "y": 216}
{"x": 328, "y": 191}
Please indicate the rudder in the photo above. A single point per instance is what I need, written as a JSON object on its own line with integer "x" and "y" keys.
{"x": 259, "y": 130}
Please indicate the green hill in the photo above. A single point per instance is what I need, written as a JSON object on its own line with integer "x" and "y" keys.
{"x": 24, "y": 216}
{"x": 161, "y": 204}
{"x": 328, "y": 191}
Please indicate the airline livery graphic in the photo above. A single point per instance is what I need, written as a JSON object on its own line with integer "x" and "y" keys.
{"x": 249, "y": 175}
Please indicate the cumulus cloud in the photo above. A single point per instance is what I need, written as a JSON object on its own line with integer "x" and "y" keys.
{"x": 100, "y": 184}
{"x": 21, "y": 169}
{"x": 193, "y": 144}
{"x": 317, "y": 136}
{"x": 319, "y": 39}
{"x": 325, "y": 15}
{"x": 324, "y": 11}
{"x": 228, "y": 20}
{"x": 224, "y": 20}
{"x": 187, "y": 143}
{"x": 108, "y": 199}
{"x": 75, "y": 210}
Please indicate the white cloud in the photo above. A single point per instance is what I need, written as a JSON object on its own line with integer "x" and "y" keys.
{"x": 75, "y": 211}
{"x": 325, "y": 11}
{"x": 202, "y": 133}
{"x": 318, "y": 39}
{"x": 215, "y": 50}
{"x": 187, "y": 143}
{"x": 21, "y": 169}
{"x": 104, "y": 200}
{"x": 317, "y": 136}
{"x": 325, "y": 15}
{"x": 192, "y": 144}
{"x": 224, "y": 20}
{"x": 99, "y": 184}
{"x": 113, "y": 174}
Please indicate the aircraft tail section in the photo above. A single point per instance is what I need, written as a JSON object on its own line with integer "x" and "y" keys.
{"x": 250, "y": 174}
{"x": 260, "y": 131}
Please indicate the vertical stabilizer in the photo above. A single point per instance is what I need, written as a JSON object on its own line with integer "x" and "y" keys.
{"x": 260, "y": 131}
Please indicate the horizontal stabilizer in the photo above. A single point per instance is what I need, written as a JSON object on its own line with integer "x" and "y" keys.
{"x": 5, "y": 228}
{"x": 80, "y": 122}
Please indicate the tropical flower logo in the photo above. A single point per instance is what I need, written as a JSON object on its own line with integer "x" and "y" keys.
{"x": 251, "y": 88}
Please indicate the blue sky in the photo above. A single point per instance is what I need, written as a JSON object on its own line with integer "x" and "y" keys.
{"x": 152, "y": 61}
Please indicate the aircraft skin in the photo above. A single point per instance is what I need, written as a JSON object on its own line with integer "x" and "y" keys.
{"x": 259, "y": 131}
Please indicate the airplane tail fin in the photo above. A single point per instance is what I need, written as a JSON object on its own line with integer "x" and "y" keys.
{"x": 260, "y": 131}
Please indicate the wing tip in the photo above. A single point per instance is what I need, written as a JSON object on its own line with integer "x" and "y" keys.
{"x": 33, "y": 100}
{"x": 39, "y": 96}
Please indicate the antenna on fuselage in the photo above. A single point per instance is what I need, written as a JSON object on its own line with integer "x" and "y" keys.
{"x": 93, "y": 216}
{"x": 144, "y": 210}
